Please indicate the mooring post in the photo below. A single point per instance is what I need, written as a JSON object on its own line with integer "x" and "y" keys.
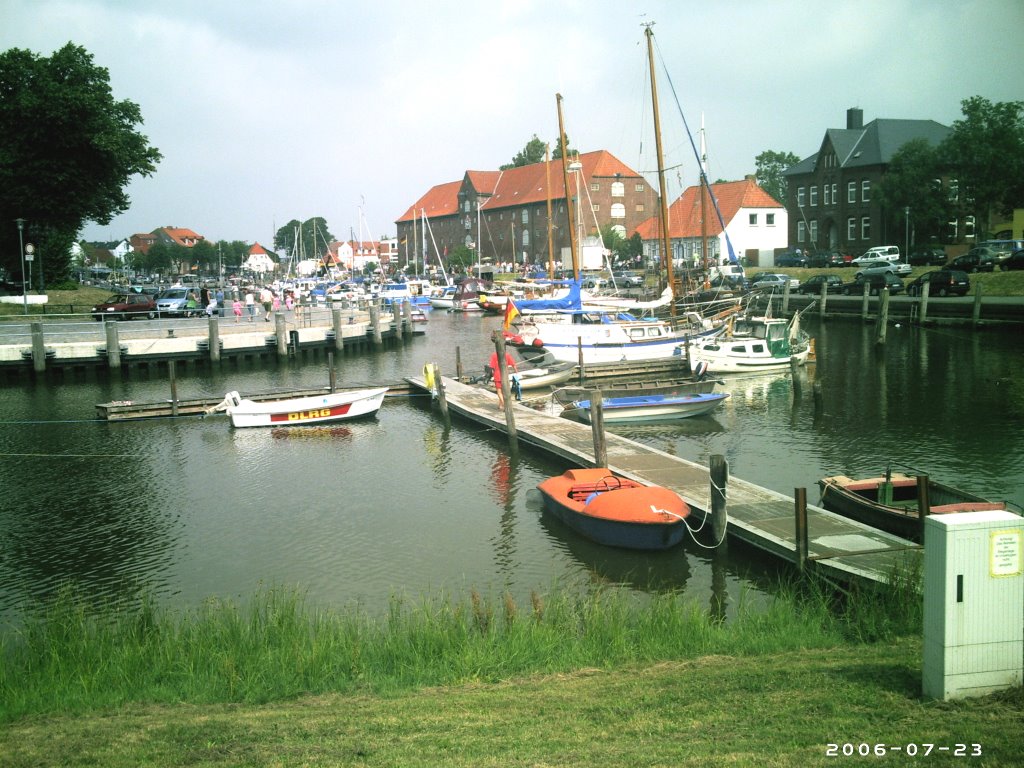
{"x": 113, "y": 345}
{"x": 506, "y": 394}
{"x": 213, "y": 336}
{"x": 331, "y": 375}
{"x": 375, "y": 324}
{"x": 174, "y": 387}
{"x": 597, "y": 429}
{"x": 407, "y": 315}
{"x": 864, "y": 301}
{"x": 823, "y": 299}
{"x": 579, "y": 357}
{"x": 883, "y": 316}
{"x": 785, "y": 298}
{"x": 794, "y": 374}
{"x": 719, "y": 474}
{"x": 339, "y": 339}
{"x": 459, "y": 373}
{"x": 441, "y": 397}
{"x": 922, "y": 314}
{"x": 38, "y": 348}
{"x": 396, "y": 318}
{"x": 281, "y": 331}
{"x": 800, "y": 502}
{"x": 924, "y": 507}
{"x": 976, "y": 317}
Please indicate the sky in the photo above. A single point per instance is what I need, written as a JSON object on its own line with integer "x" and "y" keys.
{"x": 268, "y": 111}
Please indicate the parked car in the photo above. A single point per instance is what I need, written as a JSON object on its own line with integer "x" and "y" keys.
{"x": 125, "y": 306}
{"x": 1003, "y": 248}
{"x": 791, "y": 259}
{"x": 772, "y": 281}
{"x": 879, "y": 253}
{"x": 178, "y": 301}
{"x": 812, "y": 285}
{"x": 875, "y": 284}
{"x": 874, "y": 268}
{"x": 903, "y": 269}
{"x": 980, "y": 259}
{"x": 1015, "y": 261}
{"x": 628, "y": 280}
{"x": 941, "y": 282}
{"x": 839, "y": 259}
{"x": 930, "y": 256}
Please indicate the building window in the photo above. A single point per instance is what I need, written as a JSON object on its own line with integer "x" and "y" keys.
{"x": 595, "y": 186}
{"x": 639, "y": 208}
{"x": 638, "y": 188}
{"x": 595, "y": 207}
{"x": 814, "y": 231}
{"x": 954, "y": 190}
{"x": 865, "y": 228}
{"x": 851, "y": 192}
{"x": 865, "y": 191}
{"x": 769, "y": 219}
{"x": 618, "y": 189}
{"x": 526, "y": 238}
{"x": 799, "y": 197}
{"x": 526, "y": 216}
{"x": 619, "y": 230}
{"x": 753, "y": 220}
{"x": 814, "y": 196}
{"x": 618, "y": 211}
{"x": 968, "y": 227}
{"x": 826, "y": 193}
{"x": 801, "y": 232}
{"x": 851, "y": 229}
{"x": 835, "y": 194}
{"x": 465, "y": 206}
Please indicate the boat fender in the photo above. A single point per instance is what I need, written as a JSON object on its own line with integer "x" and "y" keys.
{"x": 428, "y": 376}
{"x": 537, "y": 342}
{"x": 701, "y": 370}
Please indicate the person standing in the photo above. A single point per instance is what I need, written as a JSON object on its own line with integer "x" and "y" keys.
{"x": 250, "y": 304}
{"x": 510, "y": 363}
{"x": 267, "y": 300}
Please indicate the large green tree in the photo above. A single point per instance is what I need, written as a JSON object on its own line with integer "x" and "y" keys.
{"x": 534, "y": 152}
{"x": 67, "y": 151}
{"x": 985, "y": 154}
{"x": 914, "y": 183}
{"x": 768, "y": 167}
{"x": 306, "y": 239}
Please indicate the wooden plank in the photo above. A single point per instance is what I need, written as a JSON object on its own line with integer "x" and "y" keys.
{"x": 838, "y": 547}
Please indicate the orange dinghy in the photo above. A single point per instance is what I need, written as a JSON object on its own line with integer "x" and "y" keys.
{"x": 616, "y": 511}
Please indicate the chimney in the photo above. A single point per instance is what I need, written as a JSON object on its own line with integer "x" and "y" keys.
{"x": 854, "y": 118}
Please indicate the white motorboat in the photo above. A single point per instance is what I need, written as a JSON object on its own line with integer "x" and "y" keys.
{"x": 314, "y": 409}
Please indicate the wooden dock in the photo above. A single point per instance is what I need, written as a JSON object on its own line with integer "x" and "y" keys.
{"x": 838, "y": 548}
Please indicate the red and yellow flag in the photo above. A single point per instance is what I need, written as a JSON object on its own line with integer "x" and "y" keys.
{"x": 511, "y": 313}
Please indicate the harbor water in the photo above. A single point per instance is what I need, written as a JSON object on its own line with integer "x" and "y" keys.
{"x": 189, "y": 509}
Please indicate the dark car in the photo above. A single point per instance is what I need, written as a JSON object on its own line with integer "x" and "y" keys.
{"x": 932, "y": 256}
{"x": 978, "y": 259}
{"x": 125, "y": 306}
{"x": 835, "y": 258}
{"x": 875, "y": 284}
{"x": 941, "y": 282}
{"x": 791, "y": 259}
{"x": 812, "y": 285}
{"x": 1014, "y": 261}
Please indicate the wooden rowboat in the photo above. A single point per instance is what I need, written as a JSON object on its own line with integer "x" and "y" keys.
{"x": 890, "y": 502}
{"x": 317, "y": 409}
{"x": 616, "y": 511}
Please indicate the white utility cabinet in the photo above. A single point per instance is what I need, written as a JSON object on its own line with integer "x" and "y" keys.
{"x": 973, "y": 603}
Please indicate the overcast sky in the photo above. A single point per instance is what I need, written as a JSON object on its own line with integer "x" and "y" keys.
{"x": 267, "y": 111}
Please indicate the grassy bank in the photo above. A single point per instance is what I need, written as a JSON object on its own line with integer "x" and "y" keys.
{"x": 600, "y": 678}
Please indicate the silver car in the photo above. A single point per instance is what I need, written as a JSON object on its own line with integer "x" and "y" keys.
{"x": 875, "y": 268}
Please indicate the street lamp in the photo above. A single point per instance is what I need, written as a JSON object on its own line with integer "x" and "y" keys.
{"x": 906, "y": 234}
{"x": 21, "y": 258}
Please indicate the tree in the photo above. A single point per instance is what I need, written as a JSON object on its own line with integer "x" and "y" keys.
{"x": 985, "y": 154}
{"x": 534, "y": 152}
{"x": 67, "y": 152}
{"x": 308, "y": 239}
{"x": 914, "y": 180}
{"x": 768, "y": 167}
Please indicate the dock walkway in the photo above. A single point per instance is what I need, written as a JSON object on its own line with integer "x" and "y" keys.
{"x": 839, "y": 548}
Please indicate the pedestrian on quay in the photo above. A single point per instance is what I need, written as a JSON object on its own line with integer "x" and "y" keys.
{"x": 250, "y": 304}
{"x": 267, "y": 300}
{"x": 236, "y": 307}
{"x": 510, "y": 363}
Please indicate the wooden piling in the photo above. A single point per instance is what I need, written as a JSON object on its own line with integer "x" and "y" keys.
{"x": 38, "y": 348}
{"x": 281, "y": 331}
{"x": 800, "y": 504}
{"x": 213, "y": 336}
{"x": 459, "y": 373}
{"x": 865, "y": 296}
{"x": 924, "y": 507}
{"x": 882, "y": 325}
{"x": 597, "y": 429}
{"x": 375, "y": 324}
{"x": 794, "y": 375}
{"x": 719, "y": 476}
{"x": 174, "y": 387}
{"x": 407, "y": 315}
{"x": 785, "y": 298}
{"x": 339, "y": 338}
{"x": 823, "y": 300}
{"x": 922, "y": 315}
{"x": 113, "y": 346}
{"x": 439, "y": 391}
{"x": 396, "y": 318}
{"x": 976, "y": 315}
{"x": 579, "y": 357}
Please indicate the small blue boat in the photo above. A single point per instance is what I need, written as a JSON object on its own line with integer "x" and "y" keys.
{"x": 648, "y": 407}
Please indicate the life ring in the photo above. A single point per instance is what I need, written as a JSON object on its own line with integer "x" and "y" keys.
{"x": 428, "y": 376}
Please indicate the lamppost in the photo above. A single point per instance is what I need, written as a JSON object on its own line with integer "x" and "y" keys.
{"x": 906, "y": 252}
{"x": 30, "y": 256}
{"x": 21, "y": 258}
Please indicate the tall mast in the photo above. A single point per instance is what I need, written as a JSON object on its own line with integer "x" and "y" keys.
{"x": 570, "y": 217}
{"x": 703, "y": 204}
{"x": 666, "y": 257}
{"x": 551, "y": 236}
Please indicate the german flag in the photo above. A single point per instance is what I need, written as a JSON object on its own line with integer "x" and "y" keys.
{"x": 511, "y": 313}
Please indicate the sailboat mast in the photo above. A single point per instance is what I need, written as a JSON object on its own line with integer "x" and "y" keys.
{"x": 703, "y": 204}
{"x": 666, "y": 258}
{"x": 551, "y": 230}
{"x": 570, "y": 217}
